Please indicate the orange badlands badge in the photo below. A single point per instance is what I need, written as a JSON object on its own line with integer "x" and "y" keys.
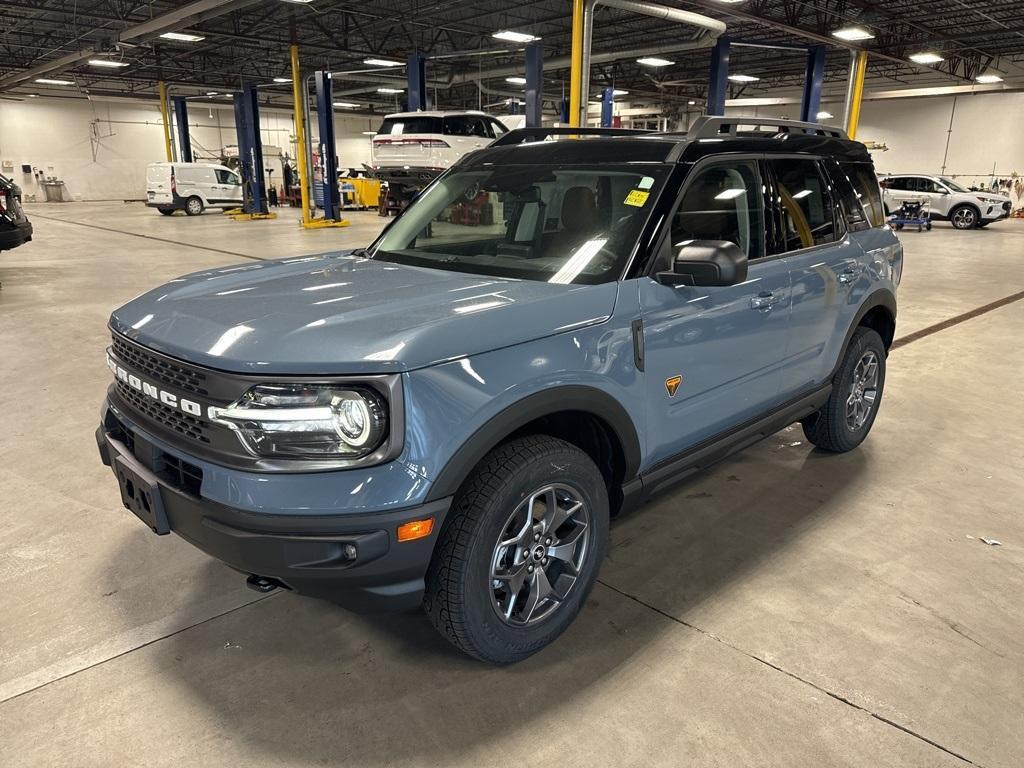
{"x": 672, "y": 384}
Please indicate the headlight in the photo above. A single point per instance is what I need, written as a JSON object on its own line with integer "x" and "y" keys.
{"x": 317, "y": 421}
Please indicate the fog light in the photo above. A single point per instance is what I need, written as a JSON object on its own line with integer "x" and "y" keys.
{"x": 415, "y": 529}
{"x": 349, "y": 551}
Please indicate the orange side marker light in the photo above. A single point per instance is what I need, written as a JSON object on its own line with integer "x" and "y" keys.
{"x": 415, "y": 529}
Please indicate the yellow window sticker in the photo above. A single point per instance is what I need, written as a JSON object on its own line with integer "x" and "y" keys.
{"x": 637, "y": 198}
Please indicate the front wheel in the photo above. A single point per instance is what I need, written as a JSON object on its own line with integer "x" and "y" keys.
{"x": 520, "y": 550}
{"x": 964, "y": 217}
{"x": 846, "y": 418}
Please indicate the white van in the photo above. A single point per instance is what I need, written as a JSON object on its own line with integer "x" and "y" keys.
{"x": 191, "y": 187}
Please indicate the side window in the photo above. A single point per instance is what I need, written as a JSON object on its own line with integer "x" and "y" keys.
{"x": 497, "y": 128}
{"x": 897, "y": 182}
{"x": 805, "y": 203}
{"x": 226, "y": 177}
{"x": 862, "y": 176}
{"x": 722, "y": 202}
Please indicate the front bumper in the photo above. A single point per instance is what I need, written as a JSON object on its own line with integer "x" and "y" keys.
{"x": 304, "y": 553}
{"x": 13, "y": 235}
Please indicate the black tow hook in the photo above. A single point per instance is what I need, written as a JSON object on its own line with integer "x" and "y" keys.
{"x": 264, "y": 584}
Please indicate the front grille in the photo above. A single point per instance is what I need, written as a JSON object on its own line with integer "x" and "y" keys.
{"x": 182, "y": 423}
{"x": 164, "y": 371}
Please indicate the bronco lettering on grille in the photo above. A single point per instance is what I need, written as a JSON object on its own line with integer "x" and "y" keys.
{"x": 162, "y": 396}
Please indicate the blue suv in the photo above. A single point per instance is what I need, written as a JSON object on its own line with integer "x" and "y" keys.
{"x": 559, "y": 326}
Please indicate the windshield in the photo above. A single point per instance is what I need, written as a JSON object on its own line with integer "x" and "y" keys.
{"x": 560, "y": 224}
{"x": 952, "y": 184}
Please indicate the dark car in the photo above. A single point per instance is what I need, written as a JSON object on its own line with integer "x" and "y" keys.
{"x": 15, "y": 227}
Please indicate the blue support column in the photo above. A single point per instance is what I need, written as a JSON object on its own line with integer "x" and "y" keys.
{"x": 416, "y": 93}
{"x": 810, "y": 104}
{"x": 607, "y": 99}
{"x": 534, "y": 84}
{"x": 327, "y": 150}
{"x": 184, "y": 140}
{"x": 718, "y": 85}
{"x": 250, "y": 150}
{"x": 563, "y": 109}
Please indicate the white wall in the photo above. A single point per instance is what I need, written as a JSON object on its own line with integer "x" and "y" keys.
{"x": 986, "y": 132}
{"x": 100, "y": 149}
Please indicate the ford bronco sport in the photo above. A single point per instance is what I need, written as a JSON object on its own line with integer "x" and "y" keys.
{"x": 449, "y": 417}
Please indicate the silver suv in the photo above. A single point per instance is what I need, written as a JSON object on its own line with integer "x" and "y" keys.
{"x": 949, "y": 201}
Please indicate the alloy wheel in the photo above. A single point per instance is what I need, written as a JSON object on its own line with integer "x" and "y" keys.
{"x": 964, "y": 218}
{"x": 539, "y": 555}
{"x": 863, "y": 392}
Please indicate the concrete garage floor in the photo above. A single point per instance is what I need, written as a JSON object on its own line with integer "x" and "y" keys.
{"x": 787, "y": 608}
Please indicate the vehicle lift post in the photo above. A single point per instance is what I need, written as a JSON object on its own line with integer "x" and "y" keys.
{"x": 184, "y": 140}
{"x": 165, "y": 115}
{"x": 250, "y": 156}
{"x": 534, "y": 84}
{"x": 416, "y": 93}
{"x": 328, "y": 155}
{"x": 718, "y": 86}
{"x": 607, "y": 99}
{"x": 810, "y": 103}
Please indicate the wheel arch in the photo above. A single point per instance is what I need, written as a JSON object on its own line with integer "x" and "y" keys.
{"x": 878, "y": 312}
{"x": 585, "y": 416}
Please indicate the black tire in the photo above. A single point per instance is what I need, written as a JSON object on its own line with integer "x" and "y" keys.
{"x": 166, "y": 211}
{"x": 983, "y": 224}
{"x": 830, "y": 428}
{"x": 964, "y": 217}
{"x": 193, "y": 206}
{"x": 460, "y": 593}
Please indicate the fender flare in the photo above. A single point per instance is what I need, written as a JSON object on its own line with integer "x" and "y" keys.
{"x": 879, "y": 298}
{"x": 588, "y": 399}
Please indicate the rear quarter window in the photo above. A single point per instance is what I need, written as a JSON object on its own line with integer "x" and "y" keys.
{"x": 397, "y": 126}
{"x": 865, "y": 185}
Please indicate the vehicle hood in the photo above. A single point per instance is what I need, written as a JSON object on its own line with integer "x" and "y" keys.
{"x": 336, "y": 314}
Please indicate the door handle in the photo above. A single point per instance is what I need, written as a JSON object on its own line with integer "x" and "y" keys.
{"x": 850, "y": 272}
{"x": 764, "y": 301}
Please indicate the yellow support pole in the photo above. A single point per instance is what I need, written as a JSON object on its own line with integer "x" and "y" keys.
{"x": 576, "y": 66}
{"x": 298, "y": 94}
{"x": 860, "y": 70}
{"x": 165, "y": 113}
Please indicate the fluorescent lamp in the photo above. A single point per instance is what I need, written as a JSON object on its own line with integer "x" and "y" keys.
{"x": 369, "y": 133}
{"x": 925, "y": 58}
{"x": 183, "y": 37}
{"x": 691, "y": 102}
{"x": 619, "y": 92}
{"x": 988, "y": 77}
{"x": 382, "y": 63}
{"x": 282, "y": 79}
{"x": 212, "y": 93}
{"x": 853, "y": 33}
{"x": 515, "y": 37}
{"x": 48, "y": 81}
{"x": 730, "y": 194}
{"x": 347, "y": 104}
{"x": 389, "y": 90}
{"x": 107, "y": 63}
{"x": 730, "y": 1}
{"x": 744, "y": 78}
{"x": 824, "y": 116}
{"x": 654, "y": 61}
{"x": 516, "y": 80}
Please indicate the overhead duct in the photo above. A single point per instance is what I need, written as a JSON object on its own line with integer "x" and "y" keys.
{"x": 705, "y": 31}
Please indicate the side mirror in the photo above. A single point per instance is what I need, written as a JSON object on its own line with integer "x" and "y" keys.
{"x": 706, "y": 263}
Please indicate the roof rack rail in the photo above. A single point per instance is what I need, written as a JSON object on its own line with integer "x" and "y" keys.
{"x": 524, "y": 135}
{"x": 710, "y": 127}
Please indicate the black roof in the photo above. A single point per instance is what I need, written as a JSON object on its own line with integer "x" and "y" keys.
{"x": 707, "y": 136}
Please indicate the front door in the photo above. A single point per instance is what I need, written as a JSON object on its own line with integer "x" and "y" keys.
{"x": 712, "y": 356}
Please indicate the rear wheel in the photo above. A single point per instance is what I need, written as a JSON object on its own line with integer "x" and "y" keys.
{"x": 193, "y": 206}
{"x": 520, "y": 550}
{"x": 964, "y": 217}
{"x": 846, "y": 418}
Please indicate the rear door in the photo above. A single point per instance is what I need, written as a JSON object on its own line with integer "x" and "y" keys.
{"x": 726, "y": 343}
{"x": 826, "y": 266}
{"x": 158, "y": 183}
{"x": 467, "y": 133}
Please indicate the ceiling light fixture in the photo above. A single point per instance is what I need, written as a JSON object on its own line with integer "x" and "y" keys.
{"x": 107, "y": 63}
{"x": 369, "y": 133}
{"x": 926, "y": 57}
{"x": 183, "y": 37}
{"x": 282, "y": 79}
{"x": 382, "y": 62}
{"x": 516, "y": 80}
{"x": 515, "y": 37}
{"x": 987, "y": 78}
{"x": 691, "y": 102}
{"x": 619, "y": 92}
{"x": 48, "y": 81}
{"x": 824, "y": 116}
{"x": 390, "y": 90}
{"x": 744, "y": 78}
{"x": 654, "y": 61}
{"x": 853, "y": 33}
{"x": 345, "y": 104}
